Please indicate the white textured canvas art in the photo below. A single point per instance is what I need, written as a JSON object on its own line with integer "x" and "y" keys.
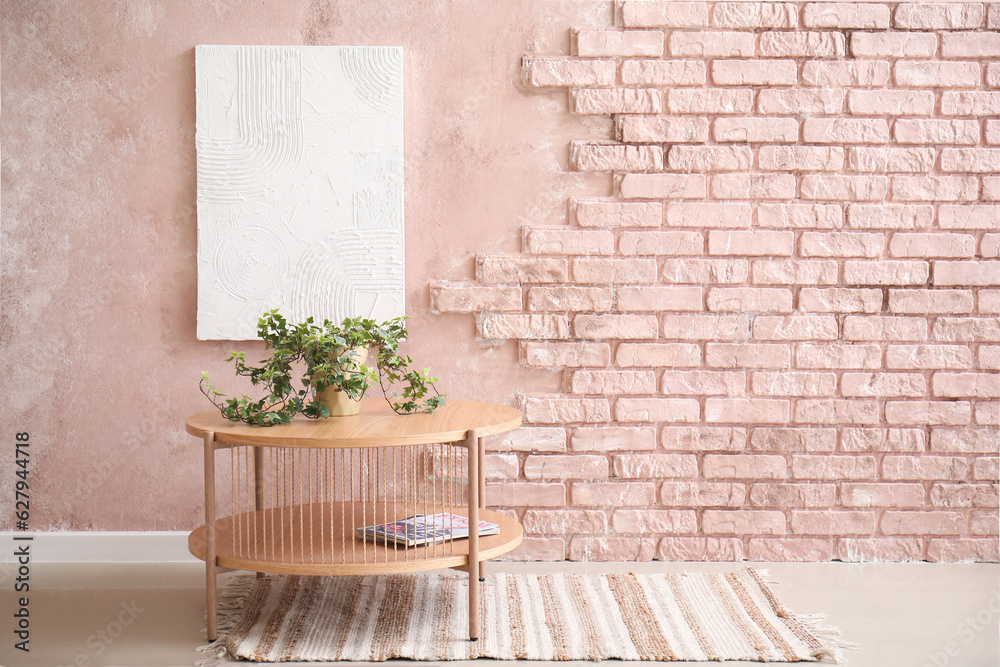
{"x": 300, "y": 184}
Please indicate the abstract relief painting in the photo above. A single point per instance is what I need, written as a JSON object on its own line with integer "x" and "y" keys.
{"x": 300, "y": 184}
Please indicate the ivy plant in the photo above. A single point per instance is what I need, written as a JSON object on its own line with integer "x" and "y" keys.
{"x": 330, "y": 353}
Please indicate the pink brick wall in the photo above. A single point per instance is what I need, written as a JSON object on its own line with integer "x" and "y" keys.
{"x": 777, "y": 330}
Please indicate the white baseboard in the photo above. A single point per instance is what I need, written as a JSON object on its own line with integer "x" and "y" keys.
{"x": 103, "y": 547}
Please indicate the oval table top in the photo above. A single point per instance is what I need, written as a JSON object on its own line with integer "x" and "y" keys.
{"x": 376, "y": 425}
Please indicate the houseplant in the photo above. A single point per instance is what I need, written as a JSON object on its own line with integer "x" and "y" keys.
{"x": 332, "y": 356}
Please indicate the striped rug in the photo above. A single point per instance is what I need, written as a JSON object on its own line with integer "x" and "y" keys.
{"x": 702, "y": 616}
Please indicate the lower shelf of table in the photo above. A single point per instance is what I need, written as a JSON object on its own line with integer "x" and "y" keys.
{"x": 320, "y": 539}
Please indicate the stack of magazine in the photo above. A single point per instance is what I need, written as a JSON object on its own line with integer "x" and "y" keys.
{"x": 425, "y": 529}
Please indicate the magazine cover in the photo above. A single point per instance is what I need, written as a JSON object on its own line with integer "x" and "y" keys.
{"x": 425, "y": 529}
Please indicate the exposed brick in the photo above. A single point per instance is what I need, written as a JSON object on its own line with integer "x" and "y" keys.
{"x": 754, "y": 72}
{"x": 462, "y": 298}
{"x": 794, "y": 384}
{"x": 790, "y": 549}
{"x": 890, "y": 159}
{"x": 586, "y": 101}
{"x": 655, "y": 466}
{"x": 989, "y": 357}
{"x": 893, "y": 44}
{"x": 934, "y": 188}
{"x": 703, "y": 383}
{"x": 660, "y": 298}
{"x": 877, "y": 385}
{"x": 529, "y": 439}
{"x": 882, "y": 440}
{"x": 568, "y": 72}
{"x": 596, "y": 42}
{"x": 928, "y": 356}
{"x": 501, "y": 466}
{"x": 709, "y": 158}
{"x": 678, "y": 549}
{"x": 992, "y": 131}
{"x": 975, "y": 385}
{"x": 885, "y": 272}
{"x": 823, "y": 216}
{"x": 663, "y": 129}
{"x": 988, "y": 414}
{"x": 937, "y": 74}
{"x": 647, "y": 521}
{"x": 661, "y": 243}
{"x": 747, "y": 355}
{"x": 970, "y": 44}
{"x": 562, "y": 410}
{"x": 969, "y": 216}
{"x": 965, "y": 274}
{"x": 935, "y": 131}
{"x": 703, "y": 438}
{"x": 753, "y": 186}
{"x": 967, "y": 329}
{"x": 763, "y": 243}
{"x": 709, "y": 214}
{"x": 840, "y": 73}
{"x": 838, "y": 355}
{"x": 596, "y": 213}
{"x": 840, "y": 300}
{"x": 657, "y": 410}
{"x": 984, "y": 522}
{"x": 494, "y": 269}
{"x": 746, "y": 410}
{"x": 705, "y": 271}
{"x": 609, "y": 156}
{"x": 612, "y": 549}
{"x": 840, "y": 188}
{"x": 569, "y": 298}
{"x": 814, "y": 522}
{"x": 709, "y": 100}
{"x": 803, "y": 44}
{"x": 879, "y": 549}
{"x": 885, "y": 328}
{"x": 552, "y": 355}
{"x": 555, "y": 467}
{"x": 889, "y": 102}
{"x": 836, "y": 411}
{"x": 993, "y": 17}
{"x": 841, "y": 244}
{"x": 613, "y": 494}
{"x": 755, "y": 15}
{"x": 743, "y": 522}
{"x": 706, "y": 327}
{"x": 663, "y": 73}
{"x": 985, "y": 467}
{"x": 939, "y": 15}
{"x": 502, "y": 327}
{"x": 614, "y": 270}
{"x": 565, "y": 522}
{"x": 613, "y": 382}
{"x": 881, "y": 495}
{"x": 756, "y": 129}
{"x": 793, "y": 439}
{"x": 993, "y": 74}
{"x": 800, "y": 101}
{"x": 709, "y": 44}
{"x": 922, "y": 523}
{"x": 702, "y": 494}
{"x": 990, "y": 246}
{"x": 795, "y": 327}
{"x": 751, "y": 300}
{"x": 963, "y": 550}
{"x": 646, "y": 14}
{"x": 846, "y": 15}
{"x": 974, "y": 160}
{"x": 662, "y": 186}
{"x": 766, "y": 494}
{"x": 991, "y": 189}
{"x": 928, "y": 412}
{"x": 526, "y": 494}
{"x": 612, "y": 438}
{"x": 965, "y": 440}
{"x": 559, "y": 240}
{"x": 684, "y": 355}
{"x": 615, "y": 326}
{"x": 806, "y": 158}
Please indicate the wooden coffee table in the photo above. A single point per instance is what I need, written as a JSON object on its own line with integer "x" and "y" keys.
{"x": 298, "y": 492}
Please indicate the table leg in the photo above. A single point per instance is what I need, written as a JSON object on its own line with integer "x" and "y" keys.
{"x": 473, "y": 445}
{"x": 482, "y": 492}
{"x": 210, "y": 570}
{"x": 258, "y": 485}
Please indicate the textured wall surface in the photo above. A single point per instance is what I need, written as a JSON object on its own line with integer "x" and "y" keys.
{"x": 775, "y": 327}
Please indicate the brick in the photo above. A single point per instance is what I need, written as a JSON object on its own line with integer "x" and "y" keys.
{"x": 538, "y": 549}
{"x": 752, "y": 186}
{"x": 988, "y": 414}
{"x": 706, "y": 327}
{"x": 702, "y": 494}
{"x": 557, "y": 355}
{"x": 709, "y": 158}
{"x": 650, "y": 521}
{"x": 993, "y": 17}
{"x": 885, "y": 272}
{"x": 984, "y": 522}
{"x": 966, "y": 216}
{"x": 815, "y": 522}
{"x": 840, "y": 300}
{"x": 565, "y": 522}
{"x": 613, "y": 382}
{"x": 839, "y": 187}
{"x": 803, "y": 43}
{"x": 703, "y": 383}
{"x": 756, "y": 129}
{"x": 965, "y": 274}
{"x": 965, "y": 440}
{"x": 711, "y": 44}
{"x": 876, "y": 385}
{"x": 991, "y": 190}
{"x": 793, "y": 439}
{"x": 612, "y": 549}
{"x": 937, "y": 74}
{"x": 967, "y": 329}
{"x": 838, "y": 355}
{"x": 663, "y": 129}
{"x": 836, "y": 411}
{"x": 569, "y": 298}
{"x": 529, "y": 439}
{"x": 615, "y": 326}
{"x": 559, "y": 240}
{"x": 503, "y": 327}
{"x": 679, "y": 549}
{"x": 743, "y": 522}
{"x": 645, "y": 14}
{"x": 614, "y": 270}
{"x": 889, "y": 216}
{"x": 561, "y": 410}
{"x": 823, "y": 216}
{"x": 841, "y": 73}
{"x": 661, "y": 243}
{"x": 976, "y": 385}
{"x": 709, "y": 100}
{"x": 603, "y": 42}
{"x": 589, "y": 101}
{"x": 768, "y": 494}
{"x": 953, "y": 550}
{"x": 705, "y": 270}
{"x": 800, "y": 101}
{"x": 746, "y": 410}
{"x": 501, "y": 466}
{"x": 753, "y": 300}
{"x": 655, "y": 466}
{"x": 747, "y": 355}
{"x": 755, "y": 15}
{"x": 881, "y": 495}
{"x": 939, "y": 15}
{"x": 462, "y": 298}
{"x": 974, "y": 160}
{"x": 963, "y": 495}
{"x": 928, "y": 412}
{"x": 891, "y": 102}
{"x": 612, "y": 439}
{"x": 893, "y": 44}
{"x": 992, "y": 131}
{"x": 935, "y": 131}
{"x": 596, "y": 213}
{"x": 993, "y": 75}
{"x": 804, "y": 158}
{"x": 934, "y": 188}
{"x": 841, "y": 244}
{"x": 846, "y": 15}
{"x": 923, "y": 523}
{"x": 658, "y": 354}
{"x": 989, "y": 357}
{"x": 834, "y": 466}
{"x": 526, "y": 494}
{"x": 970, "y": 103}
{"x": 933, "y": 245}
{"x": 762, "y": 243}
{"x": 795, "y": 327}
{"x": 494, "y": 269}
{"x": 970, "y": 44}
{"x": 985, "y": 467}
{"x": 791, "y": 550}
{"x": 541, "y": 72}
{"x": 709, "y": 214}
{"x": 613, "y": 494}
{"x": 662, "y": 186}
{"x": 928, "y": 356}
{"x": 703, "y": 438}
{"x": 660, "y": 298}
{"x": 555, "y": 467}
{"x": 890, "y": 159}
{"x": 794, "y": 384}
{"x": 754, "y": 72}
{"x": 588, "y": 156}
{"x": 885, "y": 328}
{"x": 657, "y": 410}
{"x": 882, "y": 440}
{"x": 744, "y": 466}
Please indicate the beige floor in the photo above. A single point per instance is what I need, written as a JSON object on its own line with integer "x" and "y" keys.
{"x": 902, "y": 615}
